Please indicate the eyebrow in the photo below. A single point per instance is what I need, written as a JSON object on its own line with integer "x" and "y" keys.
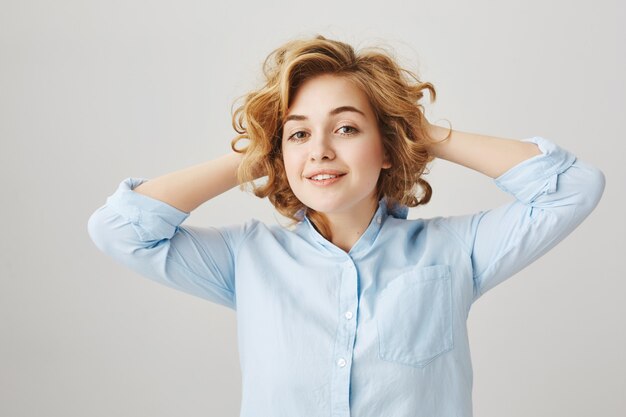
{"x": 333, "y": 112}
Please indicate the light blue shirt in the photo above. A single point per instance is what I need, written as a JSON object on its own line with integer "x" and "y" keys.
{"x": 379, "y": 331}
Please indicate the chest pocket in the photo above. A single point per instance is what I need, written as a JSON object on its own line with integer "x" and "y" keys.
{"x": 414, "y": 316}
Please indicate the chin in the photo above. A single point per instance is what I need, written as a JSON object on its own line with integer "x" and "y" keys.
{"x": 320, "y": 206}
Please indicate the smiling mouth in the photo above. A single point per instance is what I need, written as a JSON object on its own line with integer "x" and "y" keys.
{"x": 325, "y": 176}
{"x": 325, "y": 179}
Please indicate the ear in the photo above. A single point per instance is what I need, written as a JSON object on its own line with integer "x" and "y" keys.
{"x": 386, "y": 162}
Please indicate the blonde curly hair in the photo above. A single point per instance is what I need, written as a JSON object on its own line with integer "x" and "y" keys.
{"x": 393, "y": 93}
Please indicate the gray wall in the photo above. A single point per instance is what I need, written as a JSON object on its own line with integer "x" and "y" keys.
{"x": 93, "y": 92}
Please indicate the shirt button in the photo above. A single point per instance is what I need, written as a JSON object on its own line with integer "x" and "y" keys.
{"x": 341, "y": 362}
{"x": 379, "y": 219}
{"x": 348, "y": 315}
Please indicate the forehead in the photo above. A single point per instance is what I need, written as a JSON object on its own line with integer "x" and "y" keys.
{"x": 319, "y": 95}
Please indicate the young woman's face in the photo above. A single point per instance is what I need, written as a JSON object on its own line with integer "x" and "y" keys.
{"x": 331, "y": 129}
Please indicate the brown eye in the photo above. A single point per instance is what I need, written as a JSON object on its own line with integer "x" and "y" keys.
{"x": 351, "y": 130}
{"x": 296, "y": 138}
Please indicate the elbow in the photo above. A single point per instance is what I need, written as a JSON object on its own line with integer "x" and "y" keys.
{"x": 596, "y": 182}
{"x": 117, "y": 236}
{"x": 591, "y": 182}
{"x": 109, "y": 232}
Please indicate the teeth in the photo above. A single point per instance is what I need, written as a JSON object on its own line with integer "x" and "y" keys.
{"x": 323, "y": 177}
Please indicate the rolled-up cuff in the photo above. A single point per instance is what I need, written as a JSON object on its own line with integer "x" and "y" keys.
{"x": 537, "y": 175}
{"x": 152, "y": 219}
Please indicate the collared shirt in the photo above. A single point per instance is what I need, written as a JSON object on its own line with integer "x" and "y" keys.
{"x": 378, "y": 331}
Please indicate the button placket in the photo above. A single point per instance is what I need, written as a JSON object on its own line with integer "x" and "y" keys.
{"x": 344, "y": 342}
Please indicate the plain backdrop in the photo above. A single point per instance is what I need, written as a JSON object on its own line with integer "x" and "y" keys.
{"x": 94, "y": 92}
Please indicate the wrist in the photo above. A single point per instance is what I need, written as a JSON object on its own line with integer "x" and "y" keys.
{"x": 438, "y": 136}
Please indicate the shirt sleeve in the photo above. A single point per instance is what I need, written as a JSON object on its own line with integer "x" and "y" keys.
{"x": 146, "y": 235}
{"x": 554, "y": 192}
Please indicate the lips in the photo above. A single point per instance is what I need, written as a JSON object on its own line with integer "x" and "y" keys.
{"x": 324, "y": 172}
{"x": 322, "y": 177}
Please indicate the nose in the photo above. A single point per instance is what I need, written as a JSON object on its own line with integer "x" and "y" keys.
{"x": 320, "y": 148}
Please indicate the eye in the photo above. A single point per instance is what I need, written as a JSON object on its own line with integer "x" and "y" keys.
{"x": 295, "y": 138}
{"x": 351, "y": 130}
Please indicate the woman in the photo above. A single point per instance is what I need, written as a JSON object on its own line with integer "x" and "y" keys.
{"x": 354, "y": 310}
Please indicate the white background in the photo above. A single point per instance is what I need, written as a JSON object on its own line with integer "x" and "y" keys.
{"x": 94, "y": 92}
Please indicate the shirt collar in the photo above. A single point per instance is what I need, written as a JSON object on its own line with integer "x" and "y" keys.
{"x": 369, "y": 236}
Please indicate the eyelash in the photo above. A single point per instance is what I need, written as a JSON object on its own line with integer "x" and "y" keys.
{"x": 354, "y": 131}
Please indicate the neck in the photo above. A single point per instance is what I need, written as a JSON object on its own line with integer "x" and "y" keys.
{"x": 347, "y": 227}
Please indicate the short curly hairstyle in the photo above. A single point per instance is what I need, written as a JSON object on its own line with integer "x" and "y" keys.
{"x": 393, "y": 93}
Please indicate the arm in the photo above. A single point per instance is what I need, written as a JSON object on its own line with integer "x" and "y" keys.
{"x": 487, "y": 154}
{"x": 140, "y": 227}
{"x": 553, "y": 193}
{"x": 188, "y": 188}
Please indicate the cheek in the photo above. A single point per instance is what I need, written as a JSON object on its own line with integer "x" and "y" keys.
{"x": 369, "y": 157}
{"x": 291, "y": 164}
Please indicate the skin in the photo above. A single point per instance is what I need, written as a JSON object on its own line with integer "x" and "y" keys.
{"x": 351, "y": 210}
{"x": 348, "y": 141}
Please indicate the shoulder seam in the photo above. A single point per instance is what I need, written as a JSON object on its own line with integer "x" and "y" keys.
{"x": 458, "y": 238}
{"x": 245, "y": 237}
{"x": 511, "y": 247}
